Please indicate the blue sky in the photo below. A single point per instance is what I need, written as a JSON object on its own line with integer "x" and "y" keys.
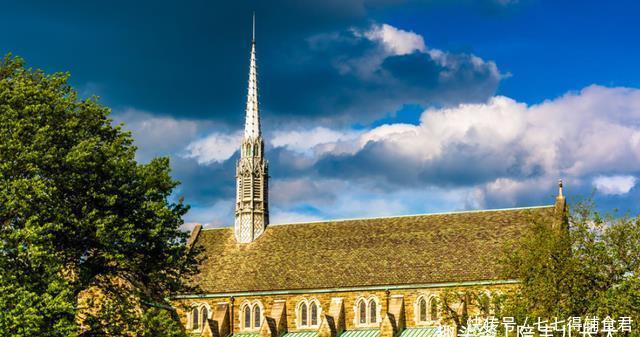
{"x": 369, "y": 108}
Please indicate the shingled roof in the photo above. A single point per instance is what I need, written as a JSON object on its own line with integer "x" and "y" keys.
{"x": 417, "y": 249}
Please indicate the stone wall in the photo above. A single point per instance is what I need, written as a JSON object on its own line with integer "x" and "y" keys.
{"x": 349, "y": 298}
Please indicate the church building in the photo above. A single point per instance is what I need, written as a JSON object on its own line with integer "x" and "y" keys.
{"x": 370, "y": 277}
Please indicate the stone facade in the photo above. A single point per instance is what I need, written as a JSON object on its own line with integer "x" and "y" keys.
{"x": 397, "y": 310}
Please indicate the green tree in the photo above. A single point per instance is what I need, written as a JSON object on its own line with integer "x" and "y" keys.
{"x": 458, "y": 305}
{"x": 77, "y": 212}
{"x": 590, "y": 267}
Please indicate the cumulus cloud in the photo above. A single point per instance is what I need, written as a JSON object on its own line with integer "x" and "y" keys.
{"x": 614, "y": 185}
{"x": 156, "y": 135}
{"x": 217, "y": 147}
{"x": 217, "y": 214}
{"x": 509, "y": 151}
{"x": 396, "y": 41}
{"x": 304, "y": 141}
{"x": 363, "y": 73}
{"x": 350, "y": 199}
{"x": 498, "y": 153}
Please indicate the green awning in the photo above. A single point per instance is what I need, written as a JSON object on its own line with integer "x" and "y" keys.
{"x": 301, "y": 334}
{"x": 247, "y": 334}
{"x": 361, "y": 333}
{"x": 420, "y": 332}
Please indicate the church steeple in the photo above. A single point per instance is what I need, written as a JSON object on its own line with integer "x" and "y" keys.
{"x": 252, "y": 207}
{"x": 252, "y": 122}
{"x": 561, "y": 208}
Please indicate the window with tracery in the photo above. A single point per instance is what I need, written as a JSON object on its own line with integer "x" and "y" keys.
{"x": 426, "y": 309}
{"x": 198, "y": 315}
{"x": 251, "y": 315}
{"x": 308, "y": 314}
{"x": 367, "y": 311}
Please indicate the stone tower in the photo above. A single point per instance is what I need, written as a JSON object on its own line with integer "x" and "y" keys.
{"x": 252, "y": 208}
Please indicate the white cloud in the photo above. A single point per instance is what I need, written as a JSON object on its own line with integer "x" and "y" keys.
{"x": 156, "y": 135}
{"x": 217, "y": 147}
{"x": 499, "y": 153}
{"x": 614, "y": 185}
{"x": 320, "y": 191}
{"x": 396, "y": 41}
{"x": 304, "y": 141}
{"x": 341, "y": 199}
{"x": 218, "y": 214}
{"x": 513, "y": 150}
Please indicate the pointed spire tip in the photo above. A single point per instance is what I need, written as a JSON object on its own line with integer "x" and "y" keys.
{"x": 560, "y": 187}
{"x": 253, "y": 36}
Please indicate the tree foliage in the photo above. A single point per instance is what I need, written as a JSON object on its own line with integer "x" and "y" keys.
{"x": 77, "y": 211}
{"x": 589, "y": 268}
{"x": 458, "y": 305}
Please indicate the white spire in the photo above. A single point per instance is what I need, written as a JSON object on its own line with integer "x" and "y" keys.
{"x": 252, "y": 121}
{"x": 559, "y": 187}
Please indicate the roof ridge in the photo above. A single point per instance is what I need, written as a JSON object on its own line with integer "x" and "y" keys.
{"x": 395, "y": 216}
{"x": 214, "y": 228}
{"x": 413, "y": 215}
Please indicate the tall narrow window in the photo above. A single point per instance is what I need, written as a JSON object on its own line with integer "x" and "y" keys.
{"x": 247, "y": 317}
{"x": 256, "y": 316}
{"x": 363, "y": 312}
{"x": 195, "y": 321}
{"x": 314, "y": 314}
{"x": 434, "y": 309}
{"x": 422, "y": 308}
{"x": 205, "y": 315}
{"x": 366, "y": 312}
{"x": 373, "y": 312}
{"x": 303, "y": 314}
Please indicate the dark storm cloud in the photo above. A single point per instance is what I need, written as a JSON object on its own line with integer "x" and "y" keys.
{"x": 345, "y": 76}
{"x": 179, "y": 58}
{"x": 189, "y": 60}
{"x": 204, "y": 184}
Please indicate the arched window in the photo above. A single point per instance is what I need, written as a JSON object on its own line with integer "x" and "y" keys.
{"x": 205, "y": 315}
{"x": 433, "y": 309}
{"x": 373, "y": 312}
{"x": 366, "y": 312}
{"x": 303, "y": 315}
{"x": 422, "y": 309}
{"x": 251, "y": 315}
{"x": 247, "y": 317}
{"x": 314, "y": 314}
{"x": 195, "y": 321}
{"x": 256, "y": 316}
{"x": 362, "y": 309}
{"x": 308, "y": 313}
{"x": 426, "y": 309}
